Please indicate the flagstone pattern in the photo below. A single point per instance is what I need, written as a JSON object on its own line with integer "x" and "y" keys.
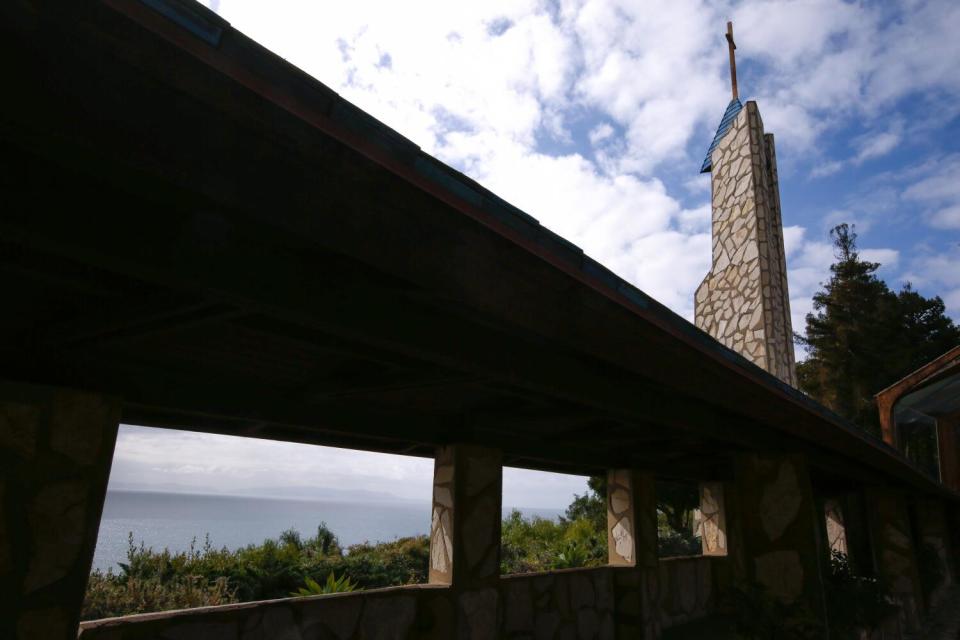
{"x": 935, "y": 532}
{"x": 779, "y": 520}
{"x": 56, "y": 448}
{"x": 836, "y": 530}
{"x": 894, "y": 552}
{"x": 712, "y": 525}
{"x": 744, "y": 302}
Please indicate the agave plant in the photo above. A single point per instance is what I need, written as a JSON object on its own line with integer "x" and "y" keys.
{"x": 333, "y": 584}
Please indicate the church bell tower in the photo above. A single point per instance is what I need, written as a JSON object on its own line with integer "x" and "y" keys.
{"x": 743, "y": 301}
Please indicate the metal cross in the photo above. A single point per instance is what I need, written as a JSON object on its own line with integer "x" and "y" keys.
{"x": 733, "y": 60}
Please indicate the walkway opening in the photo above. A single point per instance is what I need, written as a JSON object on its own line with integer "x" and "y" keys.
{"x": 195, "y": 519}
{"x": 552, "y": 521}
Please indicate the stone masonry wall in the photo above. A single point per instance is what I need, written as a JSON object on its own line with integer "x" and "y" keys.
{"x": 744, "y": 302}
{"x": 575, "y": 604}
{"x": 688, "y": 589}
{"x": 934, "y": 532}
{"x": 421, "y": 612}
{"x": 56, "y": 447}
{"x": 632, "y": 544}
{"x": 780, "y": 526}
{"x": 636, "y": 596}
{"x": 894, "y": 551}
{"x": 465, "y": 534}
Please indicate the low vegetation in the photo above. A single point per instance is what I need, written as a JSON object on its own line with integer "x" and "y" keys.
{"x": 160, "y": 580}
{"x": 290, "y": 565}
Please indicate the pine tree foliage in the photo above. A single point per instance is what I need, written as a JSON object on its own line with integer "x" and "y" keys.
{"x": 861, "y": 336}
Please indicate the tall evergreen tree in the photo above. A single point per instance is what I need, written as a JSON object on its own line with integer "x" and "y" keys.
{"x": 861, "y": 336}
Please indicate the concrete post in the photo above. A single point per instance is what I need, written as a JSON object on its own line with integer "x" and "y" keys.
{"x": 895, "y": 552}
{"x": 632, "y": 544}
{"x": 781, "y": 529}
{"x": 465, "y": 534}
{"x": 56, "y": 447}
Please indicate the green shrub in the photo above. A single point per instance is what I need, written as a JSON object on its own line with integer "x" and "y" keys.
{"x": 159, "y": 580}
{"x": 673, "y": 544}
{"x": 930, "y": 568}
{"x": 332, "y": 585}
{"x": 539, "y": 544}
{"x": 854, "y": 603}
{"x": 109, "y": 595}
{"x": 759, "y": 615}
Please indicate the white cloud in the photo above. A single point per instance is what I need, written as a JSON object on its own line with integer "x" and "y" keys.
{"x": 877, "y": 144}
{"x": 828, "y": 168}
{"x": 871, "y": 145}
{"x": 886, "y": 257}
{"x": 208, "y": 463}
{"x": 936, "y": 187}
{"x": 941, "y": 184}
{"x": 937, "y": 273}
{"x": 600, "y": 133}
{"x": 200, "y": 462}
{"x": 657, "y": 68}
{"x": 946, "y": 218}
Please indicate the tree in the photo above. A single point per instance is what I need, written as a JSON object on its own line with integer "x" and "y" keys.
{"x": 676, "y": 502}
{"x": 592, "y": 505}
{"x": 861, "y": 336}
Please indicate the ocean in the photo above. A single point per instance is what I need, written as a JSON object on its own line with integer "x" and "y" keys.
{"x": 173, "y": 520}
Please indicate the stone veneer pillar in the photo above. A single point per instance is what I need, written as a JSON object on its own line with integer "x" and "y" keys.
{"x": 780, "y": 525}
{"x": 836, "y": 527}
{"x": 895, "y": 551}
{"x": 465, "y": 534}
{"x": 713, "y": 519}
{"x": 934, "y": 531}
{"x": 743, "y": 302}
{"x": 949, "y": 450}
{"x": 56, "y": 447}
{"x": 632, "y": 544}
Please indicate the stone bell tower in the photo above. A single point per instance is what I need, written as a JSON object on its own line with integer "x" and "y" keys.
{"x": 743, "y": 302}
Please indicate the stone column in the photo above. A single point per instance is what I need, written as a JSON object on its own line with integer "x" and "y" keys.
{"x": 465, "y": 534}
{"x": 836, "y": 526}
{"x": 56, "y": 447}
{"x": 935, "y": 533}
{"x": 713, "y": 519}
{"x": 781, "y": 529}
{"x": 894, "y": 552}
{"x": 632, "y": 545}
{"x": 744, "y": 302}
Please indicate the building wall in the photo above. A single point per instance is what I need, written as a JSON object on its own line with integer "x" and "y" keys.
{"x": 744, "y": 301}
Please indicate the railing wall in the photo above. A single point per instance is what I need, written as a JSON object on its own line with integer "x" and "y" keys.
{"x": 574, "y": 603}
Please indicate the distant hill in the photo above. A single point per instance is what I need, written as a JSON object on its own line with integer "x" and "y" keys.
{"x": 281, "y": 492}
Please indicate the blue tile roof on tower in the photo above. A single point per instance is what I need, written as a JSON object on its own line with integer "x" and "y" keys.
{"x": 732, "y": 110}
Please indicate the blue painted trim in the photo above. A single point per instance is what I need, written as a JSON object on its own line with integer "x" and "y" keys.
{"x": 188, "y": 18}
{"x": 726, "y": 122}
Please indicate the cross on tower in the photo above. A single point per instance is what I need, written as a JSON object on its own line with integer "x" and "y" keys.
{"x": 733, "y": 60}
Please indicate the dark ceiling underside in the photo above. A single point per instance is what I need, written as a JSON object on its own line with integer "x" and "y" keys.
{"x": 180, "y": 229}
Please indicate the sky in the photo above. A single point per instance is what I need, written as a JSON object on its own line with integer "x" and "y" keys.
{"x": 594, "y": 116}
